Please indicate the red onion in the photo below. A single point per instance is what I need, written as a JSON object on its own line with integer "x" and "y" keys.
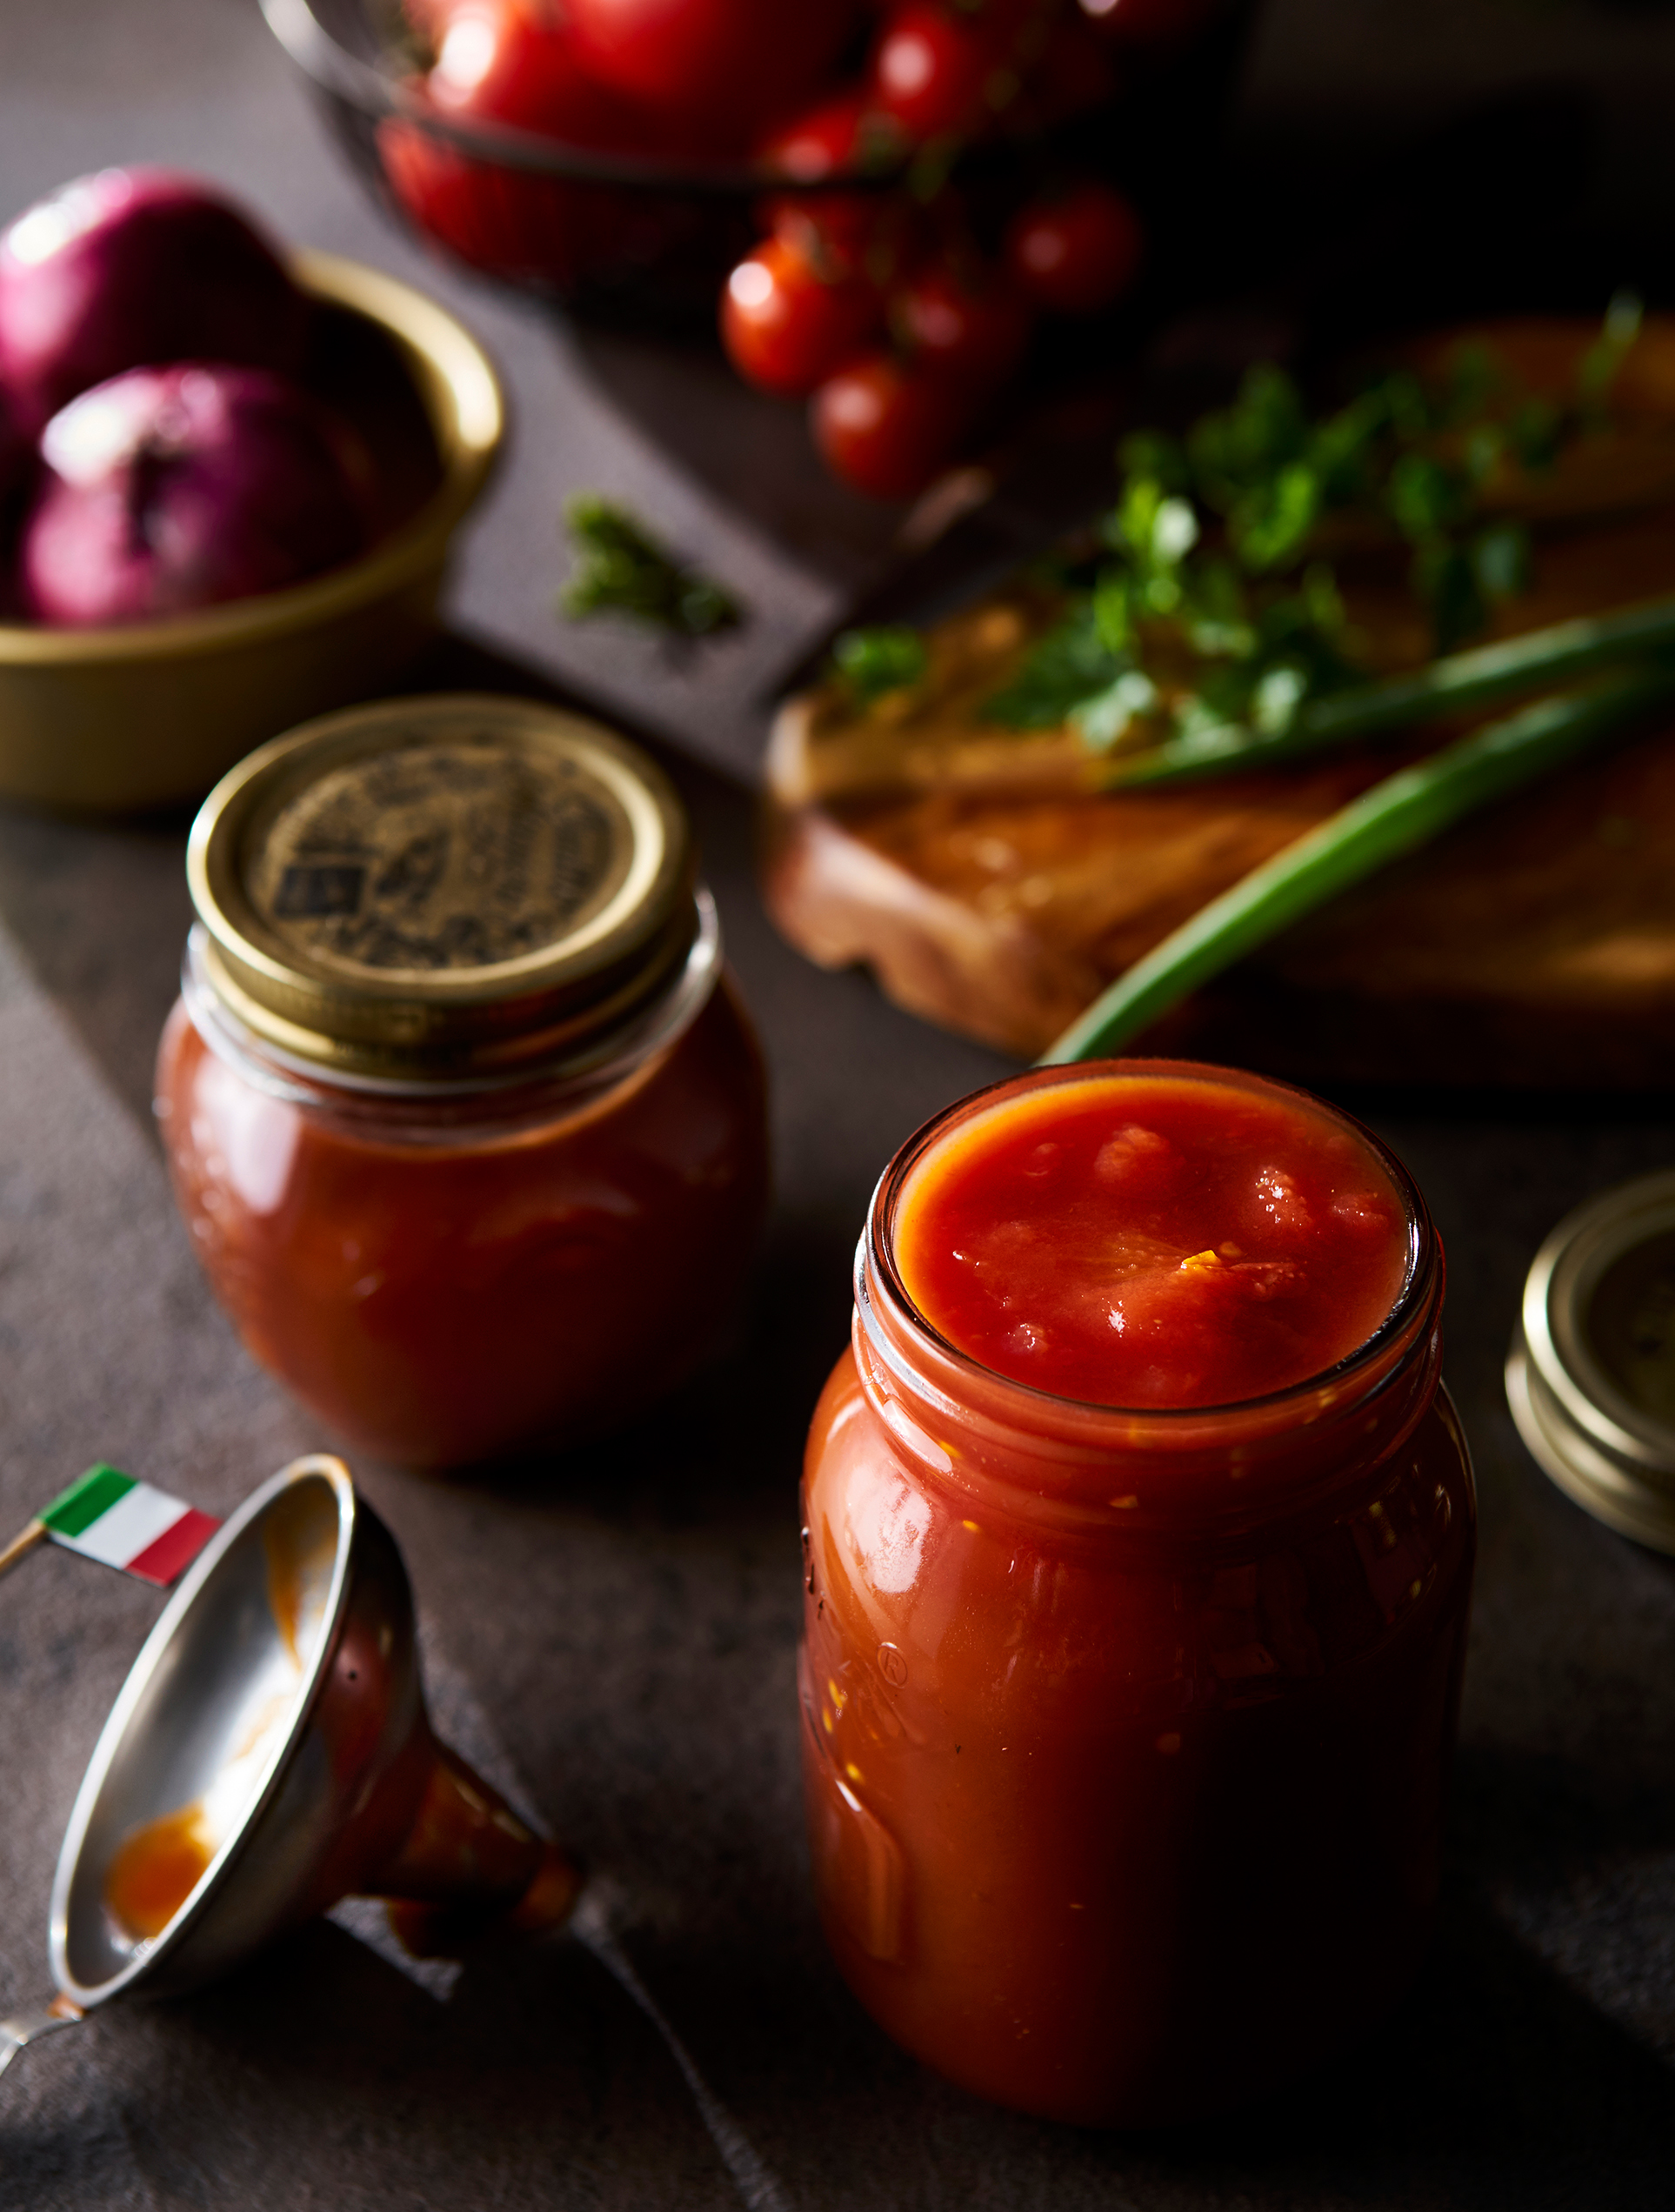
{"x": 134, "y": 266}
{"x": 170, "y": 489}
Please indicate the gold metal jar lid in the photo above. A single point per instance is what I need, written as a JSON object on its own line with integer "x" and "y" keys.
{"x": 441, "y": 886}
{"x": 1591, "y": 1377}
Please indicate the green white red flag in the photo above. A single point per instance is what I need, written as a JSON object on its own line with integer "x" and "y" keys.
{"x": 108, "y": 1516}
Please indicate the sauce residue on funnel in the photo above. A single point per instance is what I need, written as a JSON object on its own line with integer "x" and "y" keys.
{"x": 156, "y": 1869}
{"x": 156, "y": 1866}
{"x": 301, "y": 1546}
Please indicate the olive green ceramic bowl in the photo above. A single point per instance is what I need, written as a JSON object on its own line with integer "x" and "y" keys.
{"x": 151, "y": 714}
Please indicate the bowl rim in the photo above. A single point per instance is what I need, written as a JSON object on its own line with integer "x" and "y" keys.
{"x": 322, "y": 58}
{"x": 461, "y": 394}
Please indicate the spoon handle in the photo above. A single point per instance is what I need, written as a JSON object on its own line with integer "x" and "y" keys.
{"x": 24, "y": 2027}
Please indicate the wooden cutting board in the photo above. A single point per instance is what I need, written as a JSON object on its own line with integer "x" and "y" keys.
{"x": 988, "y": 889}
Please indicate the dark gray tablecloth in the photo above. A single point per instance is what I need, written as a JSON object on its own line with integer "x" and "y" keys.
{"x": 614, "y": 1638}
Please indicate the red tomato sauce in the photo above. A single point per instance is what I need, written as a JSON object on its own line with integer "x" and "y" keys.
{"x": 438, "y": 1302}
{"x": 1126, "y": 1726}
{"x": 1146, "y": 1240}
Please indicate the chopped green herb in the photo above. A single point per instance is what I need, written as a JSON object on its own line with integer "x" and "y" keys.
{"x": 1071, "y": 664}
{"x": 1214, "y": 567}
{"x": 1605, "y": 357}
{"x": 1502, "y": 559}
{"x": 621, "y": 569}
{"x": 888, "y": 657}
{"x": 1426, "y": 498}
{"x": 1106, "y": 718}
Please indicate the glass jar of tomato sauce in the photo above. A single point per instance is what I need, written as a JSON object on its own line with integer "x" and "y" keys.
{"x": 1138, "y": 1540}
{"x": 467, "y": 1121}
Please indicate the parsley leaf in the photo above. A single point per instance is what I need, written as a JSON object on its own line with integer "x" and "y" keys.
{"x": 888, "y": 657}
{"x": 621, "y": 569}
{"x": 1213, "y": 572}
{"x": 1071, "y": 664}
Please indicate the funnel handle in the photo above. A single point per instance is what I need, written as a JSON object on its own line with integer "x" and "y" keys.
{"x": 25, "y": 2026}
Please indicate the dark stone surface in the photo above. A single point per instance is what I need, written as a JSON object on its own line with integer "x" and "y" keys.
{"x": 624, "y": 1624}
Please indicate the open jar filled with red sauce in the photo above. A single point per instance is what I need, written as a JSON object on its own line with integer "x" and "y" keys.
{"x": 1139, "y": 1541}
{"x": 465, "y": 1119}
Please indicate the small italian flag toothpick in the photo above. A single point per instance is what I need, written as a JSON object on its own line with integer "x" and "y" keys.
{"x": 128, "y": 1525}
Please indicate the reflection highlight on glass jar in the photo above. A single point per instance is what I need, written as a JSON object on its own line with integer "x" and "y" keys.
{"x": 1125, "y": 1730}
{"x": 474, "y": 1151}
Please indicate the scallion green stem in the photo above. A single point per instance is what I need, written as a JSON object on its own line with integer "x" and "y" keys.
{"x": 1402, "y": 812}
{"x": 1458, "y": 683}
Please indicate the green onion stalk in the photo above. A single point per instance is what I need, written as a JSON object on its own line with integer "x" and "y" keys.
{"x": 1456, "y": 683}
{"x": 1402, "y": 812}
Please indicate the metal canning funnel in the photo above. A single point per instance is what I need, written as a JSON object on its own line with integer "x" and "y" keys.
{"x": 269, "y": 1753}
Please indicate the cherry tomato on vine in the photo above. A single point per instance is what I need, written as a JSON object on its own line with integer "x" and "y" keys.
{"x": 972, "y": 330}
{"x": 859, "y": 234}
{"x": 939, "y": 73}
{"x": 785, "y": 327}
{"x": 824, "y": 140}
{"x": 720, "y": 68}
{"x": 1077, "y": 252}
{"x": 886, "y": 426}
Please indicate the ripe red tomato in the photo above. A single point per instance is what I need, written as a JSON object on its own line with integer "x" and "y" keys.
{"x": 1151, "y": 22}
{"x": 720, "y": 68}
{"x": 1075, "y": 253}
{"x": 941, "y": 74}
{"x": 861, "y": 234}
{"x": 973, "y": 330}
{"x": 532, "y": 230}
{"x": 785, "y": 327}
{"x": 888, "y": 427}
{"x": 824, "y": 140}
{"x": 494, "y": 62}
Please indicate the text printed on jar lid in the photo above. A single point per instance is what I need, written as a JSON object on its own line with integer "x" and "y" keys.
{"x": 440, "y": 877}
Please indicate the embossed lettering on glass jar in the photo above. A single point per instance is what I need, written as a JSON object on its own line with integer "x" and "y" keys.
{"x": 1125, "y": 1731}
{"x": 465, "y": 1119}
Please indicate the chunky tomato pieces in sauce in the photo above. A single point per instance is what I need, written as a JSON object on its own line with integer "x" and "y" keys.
{"x": 1137, "y": 1240}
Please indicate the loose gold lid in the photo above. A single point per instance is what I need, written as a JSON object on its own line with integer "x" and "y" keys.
{"x": 441, "y": 886}
{"x": 1591, "y": 1377}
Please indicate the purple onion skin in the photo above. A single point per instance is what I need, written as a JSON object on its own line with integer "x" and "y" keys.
{"x": 132, "y": 267}
{"x": 167, "y": 490}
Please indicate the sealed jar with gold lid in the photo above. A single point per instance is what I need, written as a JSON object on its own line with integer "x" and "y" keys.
{"x": 464, "y": 1117}
{"x": 1590, "y": 1376}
